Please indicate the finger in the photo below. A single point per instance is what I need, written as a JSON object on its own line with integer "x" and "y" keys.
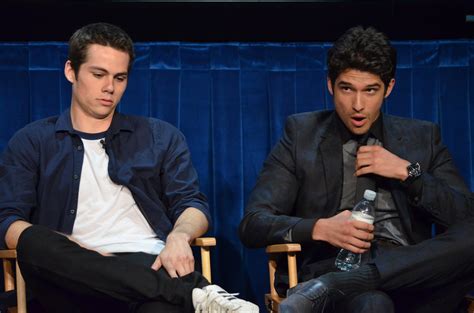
{"x": 344, "y": 215}
{"x": 359, "y": 244}
{"x": 354, "y": 248}
{"x": 182, "y": 270}
{"x": 368, "y": 148}
{"x": 359, "y": 225}
{"x": 363, "y": 149}
{"x": 359, "y": 234}
{"x": 171, "y": 271}
{"x": 363, "y": 171}
{"x": 363, "y": 163}
{"x": 185, "y": 267}
{"x": 364, "y": 236}
{"x": 157, "y": 264}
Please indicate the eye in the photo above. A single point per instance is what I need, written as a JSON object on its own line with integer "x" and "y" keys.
{"x": 98, "y": 75}
{"x": 121, "y": 78}
{"x": 371, "y": 90}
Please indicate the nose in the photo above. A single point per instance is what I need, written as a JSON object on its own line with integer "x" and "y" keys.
{"x": 109, "y": 85}
{"x": 357, "y": 103}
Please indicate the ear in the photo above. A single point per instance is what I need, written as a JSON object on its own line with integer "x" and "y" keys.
{"x": 69, "y": 72}
{"x": 389, "y": 88}
{"x": 331, "y": 91}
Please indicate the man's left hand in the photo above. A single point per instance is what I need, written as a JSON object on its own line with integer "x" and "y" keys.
{"x": 378, "y": 160}
{"x": 177, "y": 257}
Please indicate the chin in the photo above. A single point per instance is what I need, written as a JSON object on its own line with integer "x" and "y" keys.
{"x": 358, "y": 131}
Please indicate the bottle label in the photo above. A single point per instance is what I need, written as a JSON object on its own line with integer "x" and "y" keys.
{"x": 362, "y": 217}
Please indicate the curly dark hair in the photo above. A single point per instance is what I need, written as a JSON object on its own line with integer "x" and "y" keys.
{"x": 98, "y": 33}
{"x": 365, "y": 50}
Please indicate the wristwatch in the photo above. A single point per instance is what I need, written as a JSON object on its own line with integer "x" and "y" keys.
{"x": 414, "y": 171}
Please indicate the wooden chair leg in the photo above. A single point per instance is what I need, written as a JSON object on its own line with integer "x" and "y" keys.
{"x": 206, "y": 263}
{"x": 205, "y": 244}
{"x": 13, "y": 280}
{"x": 9, "y": 276}
{"x": 292, "y": 271}
{"x": 20, "y": 291}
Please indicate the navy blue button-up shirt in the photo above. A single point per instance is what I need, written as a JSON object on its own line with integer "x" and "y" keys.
{"x": 40, "y": 172}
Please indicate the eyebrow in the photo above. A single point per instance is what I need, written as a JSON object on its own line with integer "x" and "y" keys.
{"x": 344, "y": 83}
{"x": 374, "y": 85}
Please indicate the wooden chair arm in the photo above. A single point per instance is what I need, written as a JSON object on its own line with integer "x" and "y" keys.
{"x": 291, "y": 249}
{"x": 7, "y": 254}
{"x": 205, "y": 243}
{"x": 284, "y": 247}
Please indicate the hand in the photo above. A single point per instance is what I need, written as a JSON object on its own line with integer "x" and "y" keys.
{"x": 343, "y": 232}
{"x": 176, "y": 257}
{"x": 378, "y": 160}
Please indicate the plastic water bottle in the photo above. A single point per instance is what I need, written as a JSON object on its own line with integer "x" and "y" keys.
{"x": 364, "y": 211}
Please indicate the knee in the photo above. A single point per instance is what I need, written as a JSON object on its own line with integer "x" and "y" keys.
{"x": 372, "y": 301}
{"x": 296, "y": 304}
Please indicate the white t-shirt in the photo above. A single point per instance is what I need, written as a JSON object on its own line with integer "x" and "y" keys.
{"x": 108, "y": 219}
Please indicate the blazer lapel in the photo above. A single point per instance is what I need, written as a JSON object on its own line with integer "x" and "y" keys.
{"x": 331, "y": 156}
{"x": 395, "y": 141}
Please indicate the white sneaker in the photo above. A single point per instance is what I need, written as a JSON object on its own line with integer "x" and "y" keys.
{"x": 214, "y": 299}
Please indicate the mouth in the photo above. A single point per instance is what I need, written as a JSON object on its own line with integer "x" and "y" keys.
{"x": 106, "y": 101}
{"x": 358, "y": 120}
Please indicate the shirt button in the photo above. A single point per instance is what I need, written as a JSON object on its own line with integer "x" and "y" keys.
{"x": 72, "y": 211}
{"x": 79, "y": 148}
{"x": 76, "y": 176}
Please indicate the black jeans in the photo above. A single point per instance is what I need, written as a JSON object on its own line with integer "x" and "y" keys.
{"x": 65, "y": 277}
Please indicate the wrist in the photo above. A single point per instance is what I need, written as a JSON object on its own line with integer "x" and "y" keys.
{"x": 318, "y": 232}
{"x": 179, "y": 236}
{"x": 404, "y": 171}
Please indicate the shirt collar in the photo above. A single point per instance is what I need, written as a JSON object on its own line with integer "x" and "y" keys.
{"x": 376, "y": 130}
{"x": 120, "y": 122}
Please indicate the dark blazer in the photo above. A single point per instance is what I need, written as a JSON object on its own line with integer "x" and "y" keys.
{"x": 301, "y": 181}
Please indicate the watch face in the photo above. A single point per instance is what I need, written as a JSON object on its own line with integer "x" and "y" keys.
{"x": 414, "y": 170}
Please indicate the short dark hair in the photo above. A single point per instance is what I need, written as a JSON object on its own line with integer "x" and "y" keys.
{"x": 98, "y": 33}
{"x": 366, "y": 50}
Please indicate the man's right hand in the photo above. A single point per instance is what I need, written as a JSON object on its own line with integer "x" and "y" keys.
{"x": 343, "y": 232}
{"x": 14, "y": 232}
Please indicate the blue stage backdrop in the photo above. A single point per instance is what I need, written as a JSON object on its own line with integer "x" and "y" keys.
{"x": 231, "y": 100}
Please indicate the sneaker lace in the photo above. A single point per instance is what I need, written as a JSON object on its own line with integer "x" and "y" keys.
{"x": 219, "y": 301}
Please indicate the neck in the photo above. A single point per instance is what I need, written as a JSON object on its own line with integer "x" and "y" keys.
{"x": 86, "y": 123}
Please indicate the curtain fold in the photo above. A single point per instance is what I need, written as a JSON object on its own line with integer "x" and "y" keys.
{"x": 231, "y": 101}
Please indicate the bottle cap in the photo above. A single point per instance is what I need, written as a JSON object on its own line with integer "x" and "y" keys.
{"x": 369, "y": 194}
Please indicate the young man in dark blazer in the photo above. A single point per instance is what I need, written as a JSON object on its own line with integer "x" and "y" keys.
{"x": 308, "y": 185}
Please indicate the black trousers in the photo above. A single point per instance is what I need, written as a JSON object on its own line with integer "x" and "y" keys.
{"x": 432, "y": 276}
{"x": 65, "y": 277}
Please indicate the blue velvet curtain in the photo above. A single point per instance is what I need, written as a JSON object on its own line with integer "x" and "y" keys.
{"x": 231, "y": 100}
